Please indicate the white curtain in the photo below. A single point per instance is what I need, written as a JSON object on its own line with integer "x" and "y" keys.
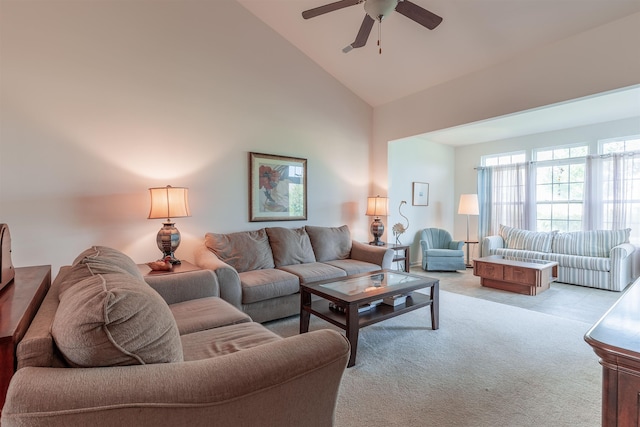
{"x": 505, "y": 198}
{"x": 612, "y": 193}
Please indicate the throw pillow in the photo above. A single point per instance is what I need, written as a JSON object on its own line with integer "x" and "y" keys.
{"x": 112, "y": 320}
{"x": 290, "y": 246}
{"x": 330, "y": 243}
{"x": 503, "y": 231}
{"x": 594, "y": 243}
{"x": 103, "y": 255}
{"x": 530, "y": 240}
{"x": 80, "y": 271}
{"x": 244, "y": 251}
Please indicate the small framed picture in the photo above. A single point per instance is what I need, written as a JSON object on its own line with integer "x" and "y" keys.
{"x": 420, "y": 194}
{"x": 277, "y": 188}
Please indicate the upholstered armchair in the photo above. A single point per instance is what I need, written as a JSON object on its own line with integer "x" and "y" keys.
{"x": 440, "y": 252}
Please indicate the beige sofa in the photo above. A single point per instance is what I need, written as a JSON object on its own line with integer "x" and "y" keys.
{"x": 260, "y": 271}
{"x": 596, "y": 258}
{"x": 107, "y": 348}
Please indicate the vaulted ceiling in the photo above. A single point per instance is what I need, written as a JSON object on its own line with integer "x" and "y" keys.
{"x": 474, "y": 34}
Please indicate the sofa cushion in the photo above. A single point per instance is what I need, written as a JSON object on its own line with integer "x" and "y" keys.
{"x": 314, "y": 271}
{"x": 233, "y": 249}
{"x": 115, "y": 319}
{"x": 290, "y": 246}
{"x": 527, "y": 240}
{"x": 330, "y": 243}
{"x": 352, "y": 266}
{"x": 439, "y": 253}
{"x": 580, "y": 261}
{"x": 517, "y": 253}
{"x": 595, "y": 243}
{"x": 225, "y": 340}
{"x": 260, "y": 285}
{"x": 205, "y": 313}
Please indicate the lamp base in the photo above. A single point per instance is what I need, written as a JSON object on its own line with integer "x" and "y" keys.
{"x": 168, "y": 240}
{"x": 377, "y": 229}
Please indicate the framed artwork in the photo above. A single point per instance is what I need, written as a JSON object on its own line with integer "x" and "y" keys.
{"x": 420, "y": 194}
{"x": 277, "y": 188}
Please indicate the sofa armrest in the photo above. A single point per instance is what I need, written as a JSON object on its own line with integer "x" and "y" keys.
{"x": 294, "y": 381}
{"x": 456, "y": 245}
{"x": 621, "y": 266}
{"x": 374, "y": 254}
{"x": 491, "y": 243}
{"x": 228, "y": 278}
{"x": 186, "y": 286}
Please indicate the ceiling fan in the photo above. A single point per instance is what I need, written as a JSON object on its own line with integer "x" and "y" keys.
{"x": 377, "y": 10}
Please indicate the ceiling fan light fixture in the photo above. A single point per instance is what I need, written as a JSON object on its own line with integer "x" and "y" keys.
{"x": 380, "y": 9}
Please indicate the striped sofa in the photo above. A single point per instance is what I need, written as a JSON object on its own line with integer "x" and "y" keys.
{"x": 598, "y": 258}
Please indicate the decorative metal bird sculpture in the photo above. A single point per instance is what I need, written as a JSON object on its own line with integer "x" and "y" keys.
{"x": 398, "y": 228}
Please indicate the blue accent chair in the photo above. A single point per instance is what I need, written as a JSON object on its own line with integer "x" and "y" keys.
{"x": 440, "y": 252}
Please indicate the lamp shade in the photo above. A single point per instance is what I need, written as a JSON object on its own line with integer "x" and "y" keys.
{"x": 468, "y": 204}
{"x": 377, "y": 206}
{"x": 169, "y": 202}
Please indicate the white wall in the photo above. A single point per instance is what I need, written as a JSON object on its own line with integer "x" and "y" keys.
{"x": 601, "y": 59}
{"x": 101, "y": 100}
{"x": 414, "y": 160}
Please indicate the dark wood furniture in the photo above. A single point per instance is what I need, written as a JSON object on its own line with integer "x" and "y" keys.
{"x": 352, "y": 292}
{"x": 183, "y": 267}
{"x": 402, "y": 254}
{"x": 615, "y": 338}
{"x": 19, "y": 302}
{"x": 523, "y": 276}
{"x": 469, "y": 243}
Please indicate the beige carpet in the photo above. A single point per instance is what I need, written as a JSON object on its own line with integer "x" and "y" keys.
{"x": 489, "y": 364}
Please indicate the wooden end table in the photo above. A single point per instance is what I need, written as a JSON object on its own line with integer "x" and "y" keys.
{"x": 183, "y": 267}
{"x": 19, "y": 302}
{"x": 351, "y": 293}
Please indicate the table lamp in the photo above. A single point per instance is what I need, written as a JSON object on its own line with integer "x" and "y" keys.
{"x": 468, "y": 206}
{"x": 169, "y": 202}
{"x": 377, "y": 207}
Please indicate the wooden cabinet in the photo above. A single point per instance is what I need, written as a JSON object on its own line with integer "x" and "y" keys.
{"x": 614, "y": 338}
{"x": 488, "y": 270}
{"x": 19, "y": 302}
{"x": 528, "y": 277}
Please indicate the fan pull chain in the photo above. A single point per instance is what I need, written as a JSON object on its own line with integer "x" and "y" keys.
{"x": 380, "y": 37}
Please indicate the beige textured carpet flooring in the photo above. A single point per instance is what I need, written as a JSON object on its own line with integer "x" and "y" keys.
{"x": 489, "y": 364}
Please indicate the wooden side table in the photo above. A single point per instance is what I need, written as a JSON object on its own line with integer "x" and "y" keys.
{"x": 183, "y": 267}
{"x": 19, "y": 302}
{"x": 469, "y": 243}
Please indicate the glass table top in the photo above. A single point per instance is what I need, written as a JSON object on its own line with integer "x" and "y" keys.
{"x": 373, "y": 282}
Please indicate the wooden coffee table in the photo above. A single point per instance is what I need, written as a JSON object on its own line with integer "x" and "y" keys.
{"x": 524, "y": 276}
{"x": 350, "y": 294}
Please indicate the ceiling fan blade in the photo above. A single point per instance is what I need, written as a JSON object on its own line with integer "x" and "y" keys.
{"x": 363, "y": 33}
{"x": 321, "y": 10}
{"x": 418, "y": 14}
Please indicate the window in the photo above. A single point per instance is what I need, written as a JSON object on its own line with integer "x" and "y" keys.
{"x": 565, "y": 188}
{"x": 560, "y": 179}
{"x": 620, "y": 145}
{"x": 504, "y": 159}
